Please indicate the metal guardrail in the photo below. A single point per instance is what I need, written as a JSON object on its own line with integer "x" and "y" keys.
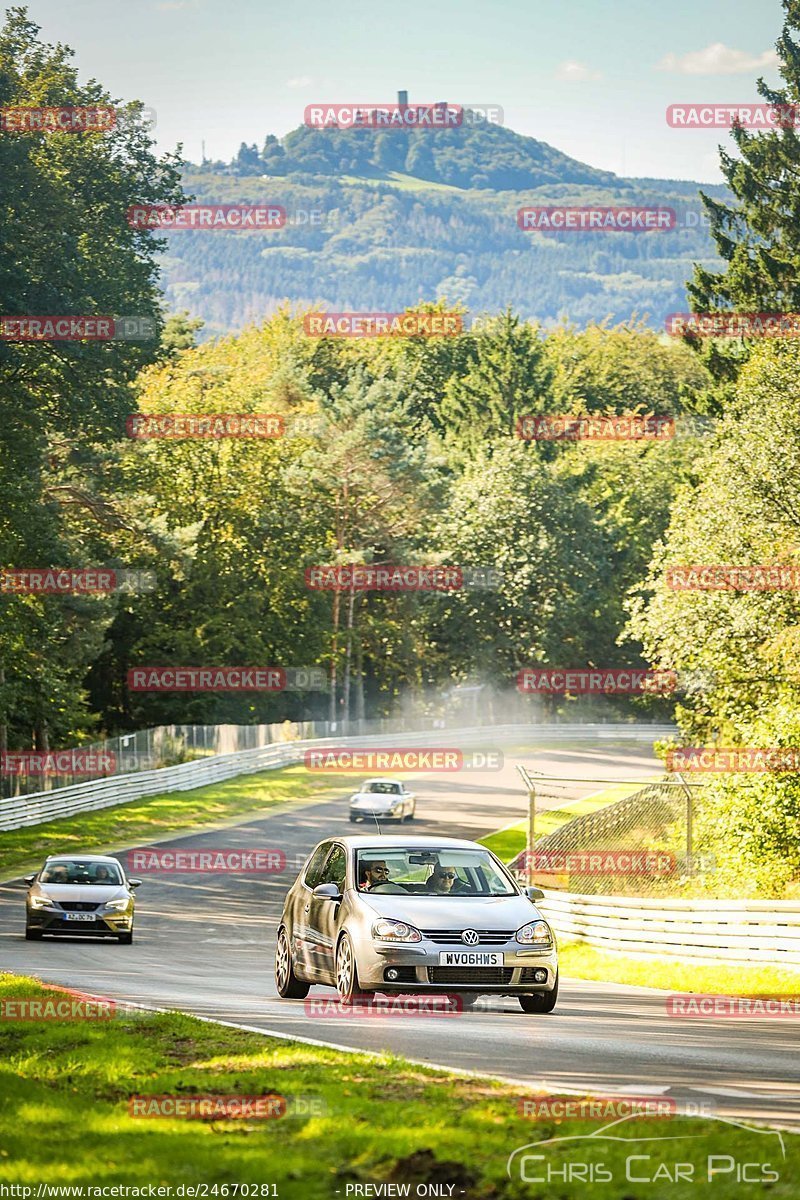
{"x": 37, "y": 807}
{"x": 735, "y": 931}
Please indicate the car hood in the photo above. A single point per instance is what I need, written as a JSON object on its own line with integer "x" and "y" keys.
{"x": 450, "y": 912}
{"x": 83, "y": 892}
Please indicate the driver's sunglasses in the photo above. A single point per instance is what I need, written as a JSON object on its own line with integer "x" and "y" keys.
{"x": 447, "y": 875}
{"x": 380, "y": 870}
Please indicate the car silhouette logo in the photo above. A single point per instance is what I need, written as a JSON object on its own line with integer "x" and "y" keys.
{"x": 470, "y": 938}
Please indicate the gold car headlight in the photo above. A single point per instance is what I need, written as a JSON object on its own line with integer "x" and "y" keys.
{"x": 117, "y": 904}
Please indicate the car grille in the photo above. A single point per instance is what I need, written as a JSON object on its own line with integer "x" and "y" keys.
{"x": 78, "y": 906}
{"x": 454, "y": 975}
{"x": 488, "y": 937}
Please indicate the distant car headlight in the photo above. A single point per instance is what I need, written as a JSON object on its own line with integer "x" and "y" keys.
{"x": 395, "y": 931}
{"x": 117, "y": 904}
{"x": 41, "y": 902}
{"x": 536, "y": 933}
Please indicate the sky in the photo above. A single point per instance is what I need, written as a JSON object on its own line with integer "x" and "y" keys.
{"x": 591, "y": 77}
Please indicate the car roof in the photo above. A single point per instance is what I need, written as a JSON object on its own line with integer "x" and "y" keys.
{"x": 95, "y": 858}
{"x": 380, "y": 779}
{"x": 395, "y": 842}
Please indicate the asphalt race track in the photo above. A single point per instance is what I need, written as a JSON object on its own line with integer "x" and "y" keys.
{"x": 204, "y": 943}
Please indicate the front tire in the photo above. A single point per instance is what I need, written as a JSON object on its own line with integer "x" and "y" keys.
{"x": 539, "y": 1002}
{"x": 288, "y": 986}
{"x": 125, "y": 939}
{"x": 347, "y": 984}
{"x": 33, "y": 935}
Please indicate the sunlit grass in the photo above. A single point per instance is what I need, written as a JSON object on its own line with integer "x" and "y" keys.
{"x": 158, "y": 816}
{"x": 64, "y": 1115}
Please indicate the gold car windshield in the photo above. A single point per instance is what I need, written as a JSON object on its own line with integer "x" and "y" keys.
{"x": 434, "y": 872}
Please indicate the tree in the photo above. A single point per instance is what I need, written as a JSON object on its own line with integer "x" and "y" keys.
{"x": 508, "y": 378}
{"x": 65, "y": 195}
{"x": 758, "y": 236}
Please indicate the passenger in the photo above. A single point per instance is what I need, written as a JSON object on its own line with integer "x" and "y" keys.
{"x": 443, "y": 880}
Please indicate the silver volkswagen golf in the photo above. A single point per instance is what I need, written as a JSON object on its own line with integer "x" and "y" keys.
{"x": 395, "y": 914}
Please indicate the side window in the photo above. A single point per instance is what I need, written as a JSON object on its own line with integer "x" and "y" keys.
{"x": 335, "y": 868}
{"x": 314, "y": 869}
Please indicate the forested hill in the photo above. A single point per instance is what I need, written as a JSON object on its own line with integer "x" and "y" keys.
{"x": 471, "y": 155}
{"x": 380, "y": 220}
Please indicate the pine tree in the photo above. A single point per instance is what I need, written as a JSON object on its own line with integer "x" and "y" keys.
{"x": 758, "y": 236}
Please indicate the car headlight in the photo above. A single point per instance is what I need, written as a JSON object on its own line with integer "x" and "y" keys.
{"x": 41, "y": 902}
{"x": 395, "y": 931}
{"x": 537, "y": 933}
{"x": 117, "y": 904}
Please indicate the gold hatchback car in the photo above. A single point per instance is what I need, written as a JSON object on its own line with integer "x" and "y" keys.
{"x": 80, "y": 894}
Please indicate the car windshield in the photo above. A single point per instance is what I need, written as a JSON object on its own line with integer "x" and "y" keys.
{"x": 430, "y": 872}
{"x": 386, "y": 789}
{"x": 79, "y": 871}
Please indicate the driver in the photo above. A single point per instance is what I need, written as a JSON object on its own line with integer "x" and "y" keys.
{"x": 58, "y": 874}
{"x": 373, "y": 874}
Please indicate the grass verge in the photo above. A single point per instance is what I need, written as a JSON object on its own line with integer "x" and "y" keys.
{"x": 169, "y": 813}
{"x": 65, "y": 1119}
{"x": 723, "y": 979}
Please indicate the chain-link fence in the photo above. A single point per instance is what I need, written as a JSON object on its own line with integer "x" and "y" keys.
{"x": 643, "y": 845}
{"x": 162, "y": 746}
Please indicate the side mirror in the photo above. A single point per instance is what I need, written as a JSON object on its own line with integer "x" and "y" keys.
{"x": 134, "y": 883}
{"x": 29, "y": 879}
{"x": 534, "y": 893}
{"x": 327, "y": 891}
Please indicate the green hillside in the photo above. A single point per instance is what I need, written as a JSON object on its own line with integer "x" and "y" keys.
{"x": 380, "y": 220}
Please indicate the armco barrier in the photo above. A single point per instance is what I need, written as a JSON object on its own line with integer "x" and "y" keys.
{"x": 735, "y": 931}
{"x": 37, "y": 807}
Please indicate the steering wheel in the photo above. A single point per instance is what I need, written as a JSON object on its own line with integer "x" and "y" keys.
{"x": 390, "y": 889}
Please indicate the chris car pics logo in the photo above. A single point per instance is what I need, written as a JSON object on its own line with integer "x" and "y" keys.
{"x": 620, "y": 1153}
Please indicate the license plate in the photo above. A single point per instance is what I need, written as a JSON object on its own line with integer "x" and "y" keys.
{"x": 79, "y": 916}
{"x": 470, "y": 958}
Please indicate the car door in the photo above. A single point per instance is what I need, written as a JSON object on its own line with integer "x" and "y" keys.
{"x": 300, "y": 909}
{"x": 322, "y": 917}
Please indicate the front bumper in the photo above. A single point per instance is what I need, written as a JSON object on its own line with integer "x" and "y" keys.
{"x": 104, "y": 924}
{"x": 367, "y": 814}
{"x": 418, "y": 969}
